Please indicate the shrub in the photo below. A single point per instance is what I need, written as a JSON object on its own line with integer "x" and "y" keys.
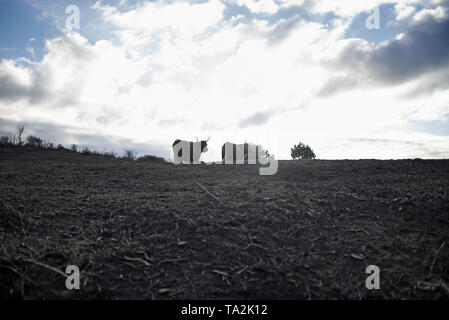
{"x": 149, "y": 158}
{"x": 5, "y": 140}
{"x": 302, "y": 151}
{"x": 259, "y": 150}
{"x": 48, "y": 145}
{"x": 110, "y": 154}
{"x": 34, "y": 141}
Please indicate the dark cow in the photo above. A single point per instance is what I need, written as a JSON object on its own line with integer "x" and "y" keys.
{"x": 244, "y": 153}
{"x": 188, "y": 151}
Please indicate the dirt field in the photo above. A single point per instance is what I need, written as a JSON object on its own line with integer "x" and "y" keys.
{"x": 149, "y": 231}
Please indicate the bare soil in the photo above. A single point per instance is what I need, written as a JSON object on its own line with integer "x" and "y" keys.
{"x": 143, "y": 230}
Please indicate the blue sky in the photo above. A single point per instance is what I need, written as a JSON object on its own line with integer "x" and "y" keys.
{"x": 20, "y": 24}
{"x": 274, "y": 72}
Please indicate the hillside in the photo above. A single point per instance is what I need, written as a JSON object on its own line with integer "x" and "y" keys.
{"x": 143, "y": 230}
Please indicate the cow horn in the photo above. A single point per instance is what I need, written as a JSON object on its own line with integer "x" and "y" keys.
{"x": 208, "y": 139}
{"x": 196, "y": 139}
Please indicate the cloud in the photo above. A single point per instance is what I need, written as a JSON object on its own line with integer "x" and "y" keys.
{"x": 67, "y": 135}
{"x": 420, "y": 50}
{"x": 262, "y": 117}
{"x": 428, "y": 84}
{"x": 14, "y": 81}
{"x": 55, "y": 78}
{"x": 282, "y": 30}
{"x": 423, "y": 48}
{"x": 403, "y": 10}
{"x": 337, "y": 84}
{"x": 439, "y": 13}
{"x": 343, "y": 8}
{"x": 372, "y": 148}
{"x": 181, "y": 18}
{"x": 174, "y": 122}
{"x": 259, "y": 6}
{"x": 406, "y": 149}
{"x": 257, "y": 118}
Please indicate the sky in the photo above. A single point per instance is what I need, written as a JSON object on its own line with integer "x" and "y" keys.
{"x": 353, "y": 79}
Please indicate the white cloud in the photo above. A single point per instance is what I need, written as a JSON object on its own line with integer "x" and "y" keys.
{"x": 178, "y": 17}
{"x": 439, "y": 13}
{"x": 291, "y": 3}
{"x": 345, "y": 8}
{"x": 259, "y": 6}
{"x": 403, "y": 10}
{"x": 20, "y": 74}
{"x": 350, "y": 8}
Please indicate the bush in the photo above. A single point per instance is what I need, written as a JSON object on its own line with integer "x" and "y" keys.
{"x": 86, "y": 151}
{"x": 39, "y": 143}
{"x": 262, "y": 152}
{"x": 48, "y": 145}
{"x": 302, "y": 151}
{"x": 34, "y": 141}
{"x": 258, "y": 150}
{"x": 148, "y": 158}
{"x": 5, "y": 140}
{"x": 110, "y": 154}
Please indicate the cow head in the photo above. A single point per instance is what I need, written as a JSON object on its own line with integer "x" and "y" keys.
{"x": 204, "y": 145}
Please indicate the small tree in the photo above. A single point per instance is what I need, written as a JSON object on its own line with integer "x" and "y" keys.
{"x": 264, "y": 153}
{"x": 49, "y": 145}
{"x": 258, "y": 150}
{"x": 5, "y": 140}
{"x": 302, "y": 151}
{"x": 34, "y": 141}
{"x": 267, "y": 154}
{"x": 19, "y": 131}
{"x": 110, "y": 154}
{"x": 74, "y": 148}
